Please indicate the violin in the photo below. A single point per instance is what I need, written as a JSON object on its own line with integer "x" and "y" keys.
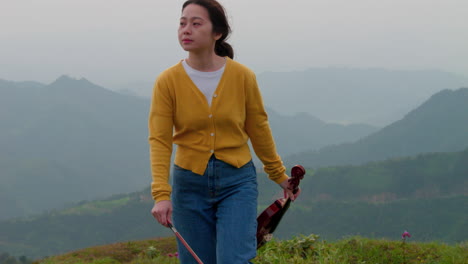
{"x": 269, "y": 219}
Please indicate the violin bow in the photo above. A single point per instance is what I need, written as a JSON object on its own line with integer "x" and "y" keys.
{"x": 179, "y": 236}
{"x": 269, "y": 219}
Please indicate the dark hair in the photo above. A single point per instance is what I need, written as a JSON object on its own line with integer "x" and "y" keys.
{"x": 220, "y": 24}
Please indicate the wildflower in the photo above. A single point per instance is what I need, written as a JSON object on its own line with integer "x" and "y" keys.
{"x": 173, "y": 255}
{"x": 152, "y": 252}
{"x": 405, "y": 235}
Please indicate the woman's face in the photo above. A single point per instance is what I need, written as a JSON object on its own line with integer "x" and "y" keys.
{"x": 196, "y": 31}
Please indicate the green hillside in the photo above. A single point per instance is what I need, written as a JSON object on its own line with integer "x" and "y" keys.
{"x": 437, "y": 219}
{"x": 418, "y": 177}
{"x": 368, "y": 200}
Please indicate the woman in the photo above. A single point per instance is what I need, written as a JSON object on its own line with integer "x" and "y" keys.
{"x": 210, "y": 106}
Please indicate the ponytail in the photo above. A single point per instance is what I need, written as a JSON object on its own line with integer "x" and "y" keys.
{"x": 222, "y": 48}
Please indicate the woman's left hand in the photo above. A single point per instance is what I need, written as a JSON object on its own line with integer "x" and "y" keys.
{"x": 288, "y": 190}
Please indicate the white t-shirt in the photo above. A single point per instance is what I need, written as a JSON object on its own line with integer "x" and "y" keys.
{"x": 207, "y": 82}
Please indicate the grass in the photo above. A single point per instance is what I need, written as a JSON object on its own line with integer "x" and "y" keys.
{"x": 117, "y": 253}
{"x": 358, "y": 250}
{"x": 299, "y": 250}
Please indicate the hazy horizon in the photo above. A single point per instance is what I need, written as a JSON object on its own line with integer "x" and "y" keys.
{"x": 113, "y": 43}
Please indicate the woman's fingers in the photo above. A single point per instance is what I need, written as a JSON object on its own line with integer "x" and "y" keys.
{"x": 288, "y": 190}
{"x": 162, "y": 212}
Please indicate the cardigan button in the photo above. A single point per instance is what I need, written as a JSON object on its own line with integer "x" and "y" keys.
{"x": 215, "y": 95}
{"x": 210, "y": 116}
{"x": 212, "y": 151}
{"x": 212, "y": 134}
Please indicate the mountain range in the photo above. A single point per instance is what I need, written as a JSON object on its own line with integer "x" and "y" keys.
{"x": 72, "y": 140}
{"x": 67, "y": 141}
{"x": 439, "y": 125}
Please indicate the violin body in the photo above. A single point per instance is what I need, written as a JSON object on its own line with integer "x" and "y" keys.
{"x": 269, "y": 219}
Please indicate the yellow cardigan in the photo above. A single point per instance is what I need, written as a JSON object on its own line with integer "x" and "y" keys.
{"x": 180, "y": 114}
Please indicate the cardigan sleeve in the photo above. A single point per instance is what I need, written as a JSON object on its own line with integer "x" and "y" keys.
{"x": 160, "y": 126}
{"x": 259, "y": 131}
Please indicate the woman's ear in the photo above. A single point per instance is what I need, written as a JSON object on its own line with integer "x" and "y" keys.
{"x": 217, "y": 36}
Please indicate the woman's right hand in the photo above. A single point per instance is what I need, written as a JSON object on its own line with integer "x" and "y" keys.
{"x": 162, "y": 211}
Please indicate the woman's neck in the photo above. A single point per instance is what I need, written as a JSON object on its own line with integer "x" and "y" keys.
{"x": 205, "y": 63}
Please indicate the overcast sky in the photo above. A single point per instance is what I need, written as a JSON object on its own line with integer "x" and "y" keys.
{"x": 111, "y": 42}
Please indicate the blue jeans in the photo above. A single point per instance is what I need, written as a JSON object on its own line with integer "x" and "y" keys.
{"x": 216, "y": 213}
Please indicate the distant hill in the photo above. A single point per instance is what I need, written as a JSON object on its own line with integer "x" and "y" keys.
{"x": 5, "y": 84}
{"x": 425, "y": 194}
{"x": 344, "y": 95}
{"x": 439, "y": 125}
{"x": 302, "y": 131}
{"x": 68, "y": 141}
{"x": 73, "y": 140}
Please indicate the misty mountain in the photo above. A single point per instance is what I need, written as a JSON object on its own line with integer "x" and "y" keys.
{"x": 439, "y": 125}
{"x": 301, "y": 132}
{"x": 20, "y": 85}
{"x": 344, "y": 95}
{"x": 67, "y": 141}
{"x": 73, "y": 140}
